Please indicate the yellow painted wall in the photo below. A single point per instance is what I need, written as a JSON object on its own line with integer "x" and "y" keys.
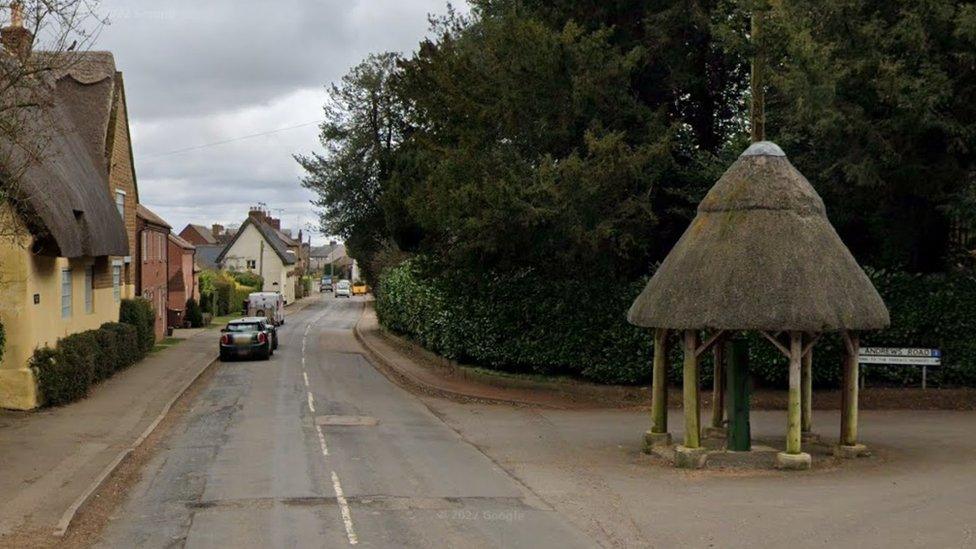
{"x": 30, "y": 326}
{"x": 248, "y": 247}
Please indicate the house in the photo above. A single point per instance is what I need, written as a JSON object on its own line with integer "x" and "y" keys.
{"x": 63, "y": 242}
{"x": 198, "y": 235}
{"x": 258, "y": 247}
{"x": 206, "y": 256}
{"x": 182, "y": 283}
{"x": 152, "y": 269}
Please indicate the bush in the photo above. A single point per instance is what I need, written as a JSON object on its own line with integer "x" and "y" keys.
{"x": 106, "y": 354}
{"x": 531, "y": 324}
{"x": 66, "y": 372}
{"x": 127, "y": 350}
{"x": 139, "y": 313}
{"x": 246, "y": 278}
{"x": 193, "y": 313}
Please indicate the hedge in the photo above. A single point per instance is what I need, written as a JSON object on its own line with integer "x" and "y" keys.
{"x": 529, "y": 324}
{"x": 139, "y": 313}
{"x": 66, "y": 372}
{"x": 194, "y": 315}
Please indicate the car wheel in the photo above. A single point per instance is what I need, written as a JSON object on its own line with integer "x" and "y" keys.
{"x": 224, "y": 357}
{"x": 275, "y": 342}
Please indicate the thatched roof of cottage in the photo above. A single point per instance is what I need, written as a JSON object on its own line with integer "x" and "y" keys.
{"x": 760, "y": 255}
{"x": 63, "y": 195}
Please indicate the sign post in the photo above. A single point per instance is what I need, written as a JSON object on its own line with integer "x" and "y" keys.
{"x": 902, "y": 356}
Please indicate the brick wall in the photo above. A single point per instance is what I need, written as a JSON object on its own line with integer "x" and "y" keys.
{"x": 121, "y": 172}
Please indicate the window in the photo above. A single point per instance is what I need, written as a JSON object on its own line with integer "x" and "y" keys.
{"x": 66, "y": 293}
{"x": 89, "y": 289}
{"x": 252, "y": 264}
{"x": 145, "y": 246}
{"x": 117, "y": 282}
{"x": 120, "y": 203}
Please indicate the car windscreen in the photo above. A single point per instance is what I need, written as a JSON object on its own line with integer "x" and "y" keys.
{"x": 242, "y": 327}
{"x": 343, "y": 284}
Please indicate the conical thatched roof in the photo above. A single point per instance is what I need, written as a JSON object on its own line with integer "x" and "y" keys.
{"x": 760, "y": 255}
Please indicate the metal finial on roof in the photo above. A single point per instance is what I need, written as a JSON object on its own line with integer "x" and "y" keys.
{"x": 763, "y": 148}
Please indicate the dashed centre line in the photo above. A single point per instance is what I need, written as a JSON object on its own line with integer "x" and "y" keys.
{"x": 344, "y": 509}
{"x": 336, "y": 485}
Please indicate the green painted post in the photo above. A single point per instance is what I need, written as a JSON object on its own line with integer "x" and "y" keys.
{"x": 659, "y": 387}
{"x": 737, "y": 398}
{"x": 718, "y": 393}
{"x": 690, "y": 388}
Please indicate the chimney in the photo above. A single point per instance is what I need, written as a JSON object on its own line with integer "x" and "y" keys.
{"x": 16, "y": 39}
{"x": 257, "y": 213}
{"x": 216, "y": 229}
{"x": 274, "y": 222}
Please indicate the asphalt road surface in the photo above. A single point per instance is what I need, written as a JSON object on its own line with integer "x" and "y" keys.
{"x": 315, "y": 448}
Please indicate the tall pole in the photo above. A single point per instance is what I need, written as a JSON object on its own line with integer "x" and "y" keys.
{"x": 793, "y": 411}
{"x": 718, "y": 385}
{"x": 692, "y": 408}
{"x": 757, "y": 114}
{"x": 659, "y": 397}
{"x": 806, "y": 382}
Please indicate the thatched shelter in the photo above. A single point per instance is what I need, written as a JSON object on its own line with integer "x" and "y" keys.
{"x": 760, "y": 255}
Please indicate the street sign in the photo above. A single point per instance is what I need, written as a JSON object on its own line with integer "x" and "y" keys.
{"x": 901, "y": 356}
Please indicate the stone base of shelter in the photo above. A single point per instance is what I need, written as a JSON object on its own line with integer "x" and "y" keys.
{"x": 793, "y": 462}
{"x": 850, "y": 452}
{"x": 763, "y": 455}
{"x": 715, "y": 432}
{"x": 653, "y": 440}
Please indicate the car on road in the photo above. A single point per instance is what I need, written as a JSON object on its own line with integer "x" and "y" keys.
{"x": 325, "y": 285}
{"x": 359, "y": 288}
{"x": 343, "y": 289}
{"x": 248, "y": 337}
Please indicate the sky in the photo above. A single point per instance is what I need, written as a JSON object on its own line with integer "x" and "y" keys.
{"x": 201, "y": 72}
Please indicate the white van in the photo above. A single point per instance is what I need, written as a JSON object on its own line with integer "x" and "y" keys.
{"x": 270, "y": 305}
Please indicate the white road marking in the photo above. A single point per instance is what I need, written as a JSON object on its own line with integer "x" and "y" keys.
{"x": 336, "y": 485}
{"x": 322, "y": 445}
{"x": 344, "y": 508}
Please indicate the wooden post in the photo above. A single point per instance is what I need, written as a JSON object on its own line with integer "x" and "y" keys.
{"x": 806, "y": 382}
{"x": 848, "y": 412}
{"x": 718, "y": 385}
{"x": 690, "y": 388}
{"x": 793, "y": 445}
{"x": 739, "y": 437}
{"x": 659, "y": 388}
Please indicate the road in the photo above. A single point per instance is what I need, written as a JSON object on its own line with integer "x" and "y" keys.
{"x": 315, "y": 448}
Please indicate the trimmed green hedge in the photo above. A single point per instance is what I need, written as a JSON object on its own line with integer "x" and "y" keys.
{"x": 194, "y": 315}
{"x": 139, "y": 313}
{"x": 78, "y": 361}
{"x": 525, "y": 323}
{"x": 66, "y": 372}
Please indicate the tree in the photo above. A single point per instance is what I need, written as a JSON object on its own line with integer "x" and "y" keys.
{"x": 362, "y": 128}
{"x": 876, "y": 104}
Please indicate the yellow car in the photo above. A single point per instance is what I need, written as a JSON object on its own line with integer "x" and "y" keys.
{"x": 359, "y": 288}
